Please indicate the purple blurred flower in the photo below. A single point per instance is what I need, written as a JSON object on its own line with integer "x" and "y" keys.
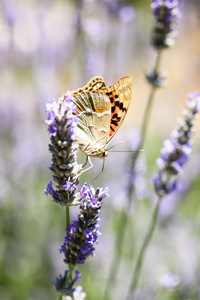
{"x": 78, "y": 293}
{"x": 83, "y": 233}
{"x": 62, "y": 122}
{"x": 77, "y": 276}
{"x": 65, "y": 284}
{"x": 170, "y": 281}
{"x": 126, "y": 13}
{"x": 166, "y": 13}
{"x": 49, "y": 189}
{"x": 177, "y": 149}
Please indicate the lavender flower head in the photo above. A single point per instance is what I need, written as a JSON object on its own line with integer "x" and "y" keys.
{"x": 166, "y": 13}
{"x": 83, "y": 233}
{"x": 65, "y": 285}
{"x": 176, "y": 149}
{"x": 62, "y": 123}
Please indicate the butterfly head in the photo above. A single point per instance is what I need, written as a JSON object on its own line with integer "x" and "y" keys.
{"x": 101, "y": 153}
{"x": 104, "y": 153}
{"x": 94, "y": 152}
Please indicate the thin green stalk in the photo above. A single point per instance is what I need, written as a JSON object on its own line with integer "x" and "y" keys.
{"x": 71, "y": 276}
{"x": 118, "y": 247}
{"x": 67, "y": 218}
{"x": 150, "y": 102}
{"x": 140, "y": 259}
{"x": 67, "y": 222}
{"x": 123, "y": 223}
{"x": 60, "y": 297}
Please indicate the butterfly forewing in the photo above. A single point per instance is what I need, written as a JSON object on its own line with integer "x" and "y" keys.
{"x": 120, "y": 96}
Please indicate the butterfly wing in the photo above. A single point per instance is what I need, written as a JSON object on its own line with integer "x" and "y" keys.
{"x": 120, "y": 96}
{"x": 94, "y": 112}
{"x": 96, "y": 83}
{"x": 101, "y": 111}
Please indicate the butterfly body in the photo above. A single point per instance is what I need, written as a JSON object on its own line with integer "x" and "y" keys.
{"x": 100, "y": 110}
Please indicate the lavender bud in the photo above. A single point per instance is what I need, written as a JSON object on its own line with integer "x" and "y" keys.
{"x": 166, "y": 14}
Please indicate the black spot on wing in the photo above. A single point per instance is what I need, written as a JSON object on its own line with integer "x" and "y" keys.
{"x": 117, "y": 103}
{"x": 114, "y": 122}
{"x": 114, "y": 116}
{"x": 111, "y": 128}
{"x": 111, "y": 99}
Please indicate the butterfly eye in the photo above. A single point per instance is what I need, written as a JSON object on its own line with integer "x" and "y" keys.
{"x": 105, "y": 153}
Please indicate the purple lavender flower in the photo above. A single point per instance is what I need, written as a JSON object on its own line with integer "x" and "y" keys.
{"x": 166, "y": 13}
{"x": 83, "y": 233}
{"x": 65, "y": 284}
{"x": 62, "y": 123}
{"x": 49, "y": 189}
{"x": 177, "y": 149}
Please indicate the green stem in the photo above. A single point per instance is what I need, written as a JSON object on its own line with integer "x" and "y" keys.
{"x": 116, "y": 256}
{"x": 158, "y": 60}
{"x": 140, "y": 259}
{"x": 124, "y": 218}
{"x": 71, "y": 269}
{"x": 150, "y": 103}
{"x": 67, "y": 217}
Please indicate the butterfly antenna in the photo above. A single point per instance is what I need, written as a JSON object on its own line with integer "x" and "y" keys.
{"x": 114, "y": 146}
{"x": 140, "y": 150}
{"x": 130, "y": 151}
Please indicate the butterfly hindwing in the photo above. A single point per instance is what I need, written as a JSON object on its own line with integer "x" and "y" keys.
{"x": 94, "y": 112}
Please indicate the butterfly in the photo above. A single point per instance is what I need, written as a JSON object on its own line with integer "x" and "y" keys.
{"x": 101, "y": 111}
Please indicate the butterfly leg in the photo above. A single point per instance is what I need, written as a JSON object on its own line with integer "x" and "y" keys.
{"x": 91, "y": 165}
{"x": 101, "y": 170}
{"x": 87, "y": 157}
{"x": 86, "y": 161}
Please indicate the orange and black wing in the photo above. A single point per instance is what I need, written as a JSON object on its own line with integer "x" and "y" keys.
{"x": 120, "y": 96}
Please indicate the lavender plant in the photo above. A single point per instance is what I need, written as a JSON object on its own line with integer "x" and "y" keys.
{"x": 82, "y": 233}
{"x": 174, "y": 155}
{"x": 166, "y": 14}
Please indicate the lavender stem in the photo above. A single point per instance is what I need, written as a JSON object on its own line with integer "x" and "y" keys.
{"x": 67, "y": 218}
{"x": 140, "y": 259}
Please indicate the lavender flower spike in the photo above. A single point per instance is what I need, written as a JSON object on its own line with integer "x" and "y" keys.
{"x": 62, "y": 123}
{"x": 166, "y": 13}
{"x": 176, "y": 150}
{"x": 83, "y": 233}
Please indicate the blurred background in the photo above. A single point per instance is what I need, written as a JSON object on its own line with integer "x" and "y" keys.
{"x": 46, "y": 48}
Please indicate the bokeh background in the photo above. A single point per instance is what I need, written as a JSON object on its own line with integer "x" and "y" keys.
{"x": 46, "y": 48}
